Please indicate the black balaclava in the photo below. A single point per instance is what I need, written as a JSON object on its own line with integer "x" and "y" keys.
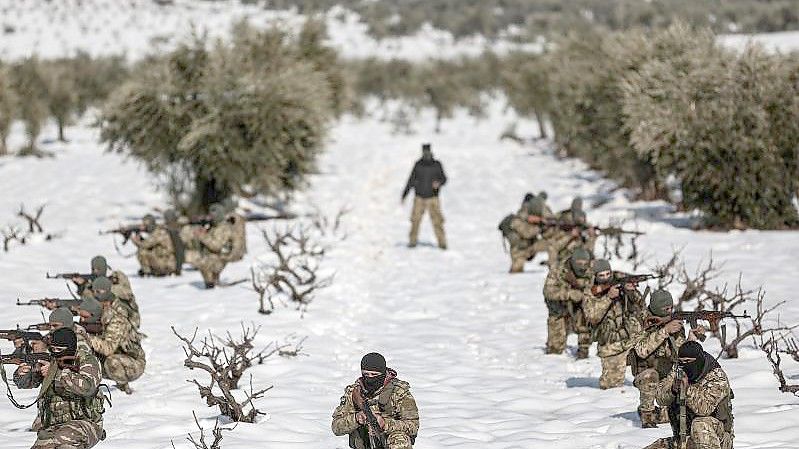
{"x": 427, "y": 152}
{"x": 527, "y": 197}
{"x": 66, "y": 338}
{"x": 373, "y": 362}
{"x": 695, "y": 369}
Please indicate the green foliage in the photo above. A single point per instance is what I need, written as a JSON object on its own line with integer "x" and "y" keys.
{"x": 525, "y": 82}
{"x": 62, "y": 95}
{"x": 245, "y": 117}
{"x": 726, "y": 126}
{"x": 28, "y": 82}
{"x": 7, "y": 103}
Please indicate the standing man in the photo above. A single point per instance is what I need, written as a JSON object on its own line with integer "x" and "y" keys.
{"x": 566, "y": 288}
{"x": 699, "y": 402}
{"x": 616, "y": 313}
{"x": 394, "y": 419}
{"x": 426, "y": 180}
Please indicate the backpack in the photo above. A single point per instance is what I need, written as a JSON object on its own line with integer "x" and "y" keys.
{"x": 505, "y": 225}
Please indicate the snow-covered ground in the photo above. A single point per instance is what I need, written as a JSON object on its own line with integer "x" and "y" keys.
{"x": 136, "y": 28}
{"x": 466, "y": 335}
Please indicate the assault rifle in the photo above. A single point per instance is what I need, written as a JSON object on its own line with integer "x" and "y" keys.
{"x": 57, "y": 301}
{"x": 32, "y": 358}
{"x": 377, "y": 438}
{"x": 713, "y": 317}
{"x": 126, "y": 231}
{"x": 601, "y": 289}
{"x": 91, "y": 328}
{"x": 682, "y": 431}
{"x": 26, "y": 335}
{"x": 569, "y": 226}
{"x": 70, "y": 276}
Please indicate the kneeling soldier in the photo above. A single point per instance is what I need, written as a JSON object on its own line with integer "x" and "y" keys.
{"x": 70, "y": 402}
{"x": 699, "y": 402}
{"x": 378, "y": 410}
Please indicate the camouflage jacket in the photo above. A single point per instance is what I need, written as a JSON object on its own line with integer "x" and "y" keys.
{"x": 564, "y": 243}
{"x": 523, "y": 232}
{"x": 120, "y": 286}
{"x": 218, "y": 240}
{"x": 618, "y": 323}
{"x": 394, "y": 402}
{"x": 160, "y": 243}
{"x": 711, "y": 395}
{"x": 119, "y": 335}
{"x": 656, "y": 349}
{"x": 562, "y": 285}
{"x": 67, "y": 395}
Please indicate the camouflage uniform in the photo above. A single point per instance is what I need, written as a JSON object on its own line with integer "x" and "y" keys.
{"x": 522, "y": 240}
{"x": 215, "y": 247}
{"x": 70, "y": 404}
{"x": 709, "y": 419}
{"x": 618, "y": 323}
{"x": 564, "y": 294}
{"x": 156, "y": 253}
{"x": 119, "y": 346}
{"x": 239, "y": 246}
{"x": 652, "y": 360}
{"x": 562, "y": 243}
{"x": 120, "y": 287}
{"x": 393, "y": 402}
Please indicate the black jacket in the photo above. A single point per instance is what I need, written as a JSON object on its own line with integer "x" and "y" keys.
{"x": 422, "y": 177}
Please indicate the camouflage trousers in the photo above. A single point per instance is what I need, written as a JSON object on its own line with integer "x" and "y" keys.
{"x": 398, "y": 440}
{"x": 79, "y": 434}
{"x": 613, "y": 369}
{"x": 563, "y": 317}
{"x": 519, "y": 255}
{"x": 155, "y": 264}
{"x": 647, "y": 383}
{"x": 123, "y": 368}
{"x": 706, "y": 433}
{"x": 210, "y": 267}
{"x": 433, "y": 206}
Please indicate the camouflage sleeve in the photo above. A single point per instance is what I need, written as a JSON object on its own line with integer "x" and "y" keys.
{"x": 408, "y": 421}
{"x": 31, "y": 379}
{"x": 524, "y": 229}
{"x": 590, "y": 243}
{"x": 704, "y": 397}
{"x": 561, "y": 239}
{"x": 85, "y": 381}
{"x": 112, "y": 337}
{"x": 344, "y": 421}
{"x": 664, "y": 394}
{"x": 595, "y": 307}
{"x": 650, "y": 341}
{"x": 553, "y": 290}
{"x": 155, "y": 239}
{"x": 215, "y": 239}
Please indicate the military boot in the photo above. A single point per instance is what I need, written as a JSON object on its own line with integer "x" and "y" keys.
{"x": 662, "y": 415}
{"x": 125, "y": 388}
{"x": 649, "y": 418}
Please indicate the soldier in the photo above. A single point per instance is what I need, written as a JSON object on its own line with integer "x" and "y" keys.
{"x": 426, "y": 179}
{"x": 521, "y": 230}
{"x": 562, "y": 242}
{"x": 616, "y": 314}
{"x": 706, "y": 411}
{"x": 155, "y": 252}
{"x": 70, "y": 402}
{"x": 543, "y": 196}
{"x": 215, "y": 246}
{"x": 118, "y": 346}
{"x": 565, "y": 289}
{"x": 99, "y": 267}
{"x": 391, "y": 403}
{"x": 654, "y": 355}
{"x": 239, "y": 225}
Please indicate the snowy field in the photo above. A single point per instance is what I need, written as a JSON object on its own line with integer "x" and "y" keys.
{"x": 466, "y": 335}
{"x": 136, "y": 28}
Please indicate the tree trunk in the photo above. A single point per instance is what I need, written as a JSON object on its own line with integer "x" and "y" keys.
{"x": 3, "y": 147}
{"x": 208, "y": 191}
{"x": 542, "y": 129}
{"x": 61, "y": 137}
